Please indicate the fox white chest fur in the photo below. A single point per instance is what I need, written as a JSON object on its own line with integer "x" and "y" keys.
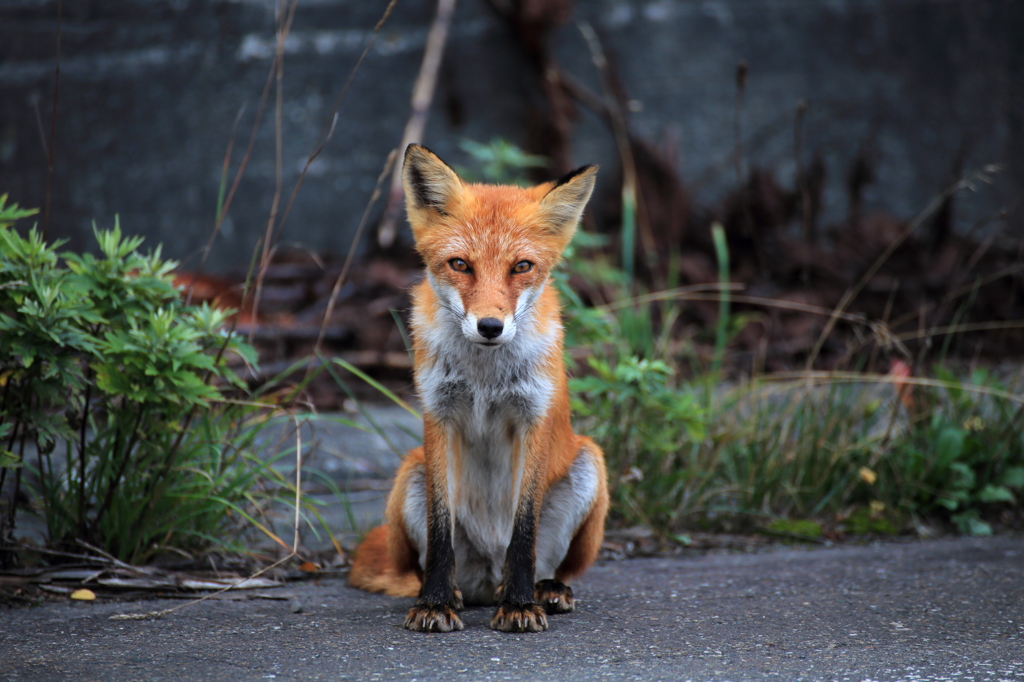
{"x": 489, "y": 397}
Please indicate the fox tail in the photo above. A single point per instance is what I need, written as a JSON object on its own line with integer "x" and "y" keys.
{"x": 374, "y": 571}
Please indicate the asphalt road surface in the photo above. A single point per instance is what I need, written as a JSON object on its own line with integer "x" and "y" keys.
{"x": 936, "y": 610}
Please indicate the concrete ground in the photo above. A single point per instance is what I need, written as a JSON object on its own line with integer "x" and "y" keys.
{"x": 935, "y": 610}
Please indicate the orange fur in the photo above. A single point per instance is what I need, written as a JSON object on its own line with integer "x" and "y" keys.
{"x": 374, "y": 571}
{"x": 587, "y": 541}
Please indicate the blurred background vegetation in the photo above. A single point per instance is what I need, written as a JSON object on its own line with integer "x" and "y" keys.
{"x": 794, "y": 307}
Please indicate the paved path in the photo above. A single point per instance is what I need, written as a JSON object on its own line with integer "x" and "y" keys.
{"x": 937, "y": 610}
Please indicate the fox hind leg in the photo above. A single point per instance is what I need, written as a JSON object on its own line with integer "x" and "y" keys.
{"x": 571, "y": 528}
{"x": 409, "y": 505}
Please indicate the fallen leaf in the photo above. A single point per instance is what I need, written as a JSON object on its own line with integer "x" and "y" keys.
{"x": 900, "y": 372}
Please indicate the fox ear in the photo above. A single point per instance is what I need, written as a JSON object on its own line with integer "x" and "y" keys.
{"x": 428, "y": 181}
{"x": 562, "y": 206}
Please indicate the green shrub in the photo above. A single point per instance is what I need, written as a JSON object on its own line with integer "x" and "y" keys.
{"x": 116, "y": 385}
{"x": 499, "y": 161}
{"x": 964, "y": 455}
{"x": 791, "y": 450}
{"x": 851, "y": 450}
{"x": 647, "y": 429}
{"x": 764, "y": 449}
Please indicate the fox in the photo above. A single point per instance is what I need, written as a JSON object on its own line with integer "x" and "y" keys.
{"x": 504, "y": 504}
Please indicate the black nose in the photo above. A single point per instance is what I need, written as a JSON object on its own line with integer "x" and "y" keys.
{"x": 490, "y": 327}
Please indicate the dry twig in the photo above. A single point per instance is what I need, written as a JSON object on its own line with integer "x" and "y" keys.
{"x": 422, "y": 96}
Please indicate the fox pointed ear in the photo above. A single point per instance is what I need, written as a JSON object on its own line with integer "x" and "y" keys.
{"x": 428, "y": 181}
{"x": 562, "y": 206}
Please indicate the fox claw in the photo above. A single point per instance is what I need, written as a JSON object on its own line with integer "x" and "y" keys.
{"x": 526, "y": 618}
{"x": 442, "y": 618}
{"x": 554, "y": 596}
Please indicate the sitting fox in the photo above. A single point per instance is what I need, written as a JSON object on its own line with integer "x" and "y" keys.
{"x": 503, "y": 504}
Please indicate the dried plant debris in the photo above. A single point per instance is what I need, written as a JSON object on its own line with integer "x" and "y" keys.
{"x": 77, "y": 581}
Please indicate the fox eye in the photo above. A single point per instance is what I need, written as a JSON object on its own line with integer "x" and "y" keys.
{"x": 521, "y": 267}
{"x": 458, "y": 265}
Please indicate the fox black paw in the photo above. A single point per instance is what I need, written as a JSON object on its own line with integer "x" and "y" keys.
{"x": 442, "y": 618}
{"x": 554, "y": 596}
{"x": 526, "y": 618}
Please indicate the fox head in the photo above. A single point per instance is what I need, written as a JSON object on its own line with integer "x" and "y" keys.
{"x": 489, "y": 249}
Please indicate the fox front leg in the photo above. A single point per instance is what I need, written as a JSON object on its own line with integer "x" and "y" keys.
{"x": 517, "y": 610}
{"x": 436, "y": 609}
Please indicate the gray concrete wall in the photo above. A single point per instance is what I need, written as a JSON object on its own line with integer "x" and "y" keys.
{"x": 930, "y": 76}
{"x": 150, "y": 90}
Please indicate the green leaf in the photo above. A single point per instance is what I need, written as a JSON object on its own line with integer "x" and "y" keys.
{"x": 996, "y": 493}
{"x": 9, "y": 460}
{"x": 378, "y": 386}
{"x": 949, "y": 445}
{"x": 965, "y": 476}
{"x": 1013, "y": 477}
{"x": 10, "y": 214}
{"x": 969, "y": 523}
